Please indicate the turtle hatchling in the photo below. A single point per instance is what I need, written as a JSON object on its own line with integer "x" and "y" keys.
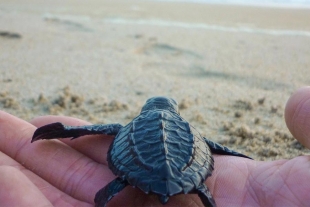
{"x": 158, "y": 152}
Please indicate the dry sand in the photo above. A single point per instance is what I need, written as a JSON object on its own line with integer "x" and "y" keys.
{"x": 231, "y": 68}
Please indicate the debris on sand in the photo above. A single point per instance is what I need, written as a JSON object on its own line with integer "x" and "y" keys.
{"x": 10, "y": 35}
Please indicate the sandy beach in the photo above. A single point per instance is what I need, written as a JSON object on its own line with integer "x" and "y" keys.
{"x": 231, "y": 68}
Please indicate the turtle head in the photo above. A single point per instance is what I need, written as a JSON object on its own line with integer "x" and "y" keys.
{"x": 161, "y": 102}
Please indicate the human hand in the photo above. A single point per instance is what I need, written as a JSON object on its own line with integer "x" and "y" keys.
{"x": 69, "y": 173}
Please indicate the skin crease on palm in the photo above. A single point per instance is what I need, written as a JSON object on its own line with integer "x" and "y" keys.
{"x": 69, "y": 173}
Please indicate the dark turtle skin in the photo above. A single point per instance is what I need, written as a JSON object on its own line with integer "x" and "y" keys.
{"x": 158, "y": 152}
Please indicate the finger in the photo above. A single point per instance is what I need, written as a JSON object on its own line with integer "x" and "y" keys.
{"x": 285, "y": 181}
{"x": 95, "y": 146}
{"x": 44, "y": 120}
{"x": 54, "y": 195}
{"x": 229, "y": 179}
{"x": 59, "y": 164}
{"x": 17, "y": 190}
{"x": 297, "y": 115}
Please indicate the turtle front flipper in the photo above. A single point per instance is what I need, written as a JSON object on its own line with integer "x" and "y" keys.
{"x": 109, "y": 191}
{"x": 220, "y": 149}
{"x": 58, "y": 130}
{"x": 205, "y": 196}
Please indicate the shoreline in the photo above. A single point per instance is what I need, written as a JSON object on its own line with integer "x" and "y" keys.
{"x": 211, "y": 27}
{"x": 267, "y": 4}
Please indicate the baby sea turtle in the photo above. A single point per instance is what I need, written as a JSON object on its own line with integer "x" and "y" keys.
{"x": 158, "y": 151}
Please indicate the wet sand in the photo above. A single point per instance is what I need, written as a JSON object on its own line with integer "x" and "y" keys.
{"x": 231, "y": 68}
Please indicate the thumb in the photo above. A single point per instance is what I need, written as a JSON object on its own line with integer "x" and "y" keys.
{"x": 297, "y": 115}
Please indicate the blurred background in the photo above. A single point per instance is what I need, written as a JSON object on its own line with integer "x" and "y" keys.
{"x": 231, "y": 65}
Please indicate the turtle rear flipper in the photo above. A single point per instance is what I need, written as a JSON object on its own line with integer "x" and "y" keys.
{"x": 221, "y": 150}
{"x": 109, "y": 191}
{"x": 205, "y": 196}
{"x": 58, "y": 130}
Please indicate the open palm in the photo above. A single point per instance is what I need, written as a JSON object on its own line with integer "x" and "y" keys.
{"x": 69, "y": 173}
